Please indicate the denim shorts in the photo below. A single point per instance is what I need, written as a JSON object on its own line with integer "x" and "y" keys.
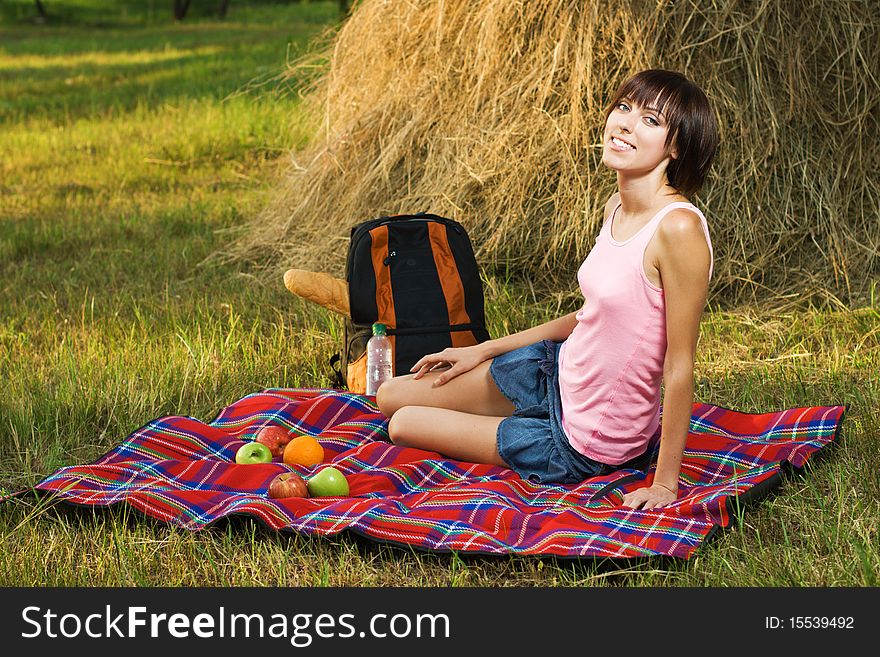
{"x": 532, "y": 441}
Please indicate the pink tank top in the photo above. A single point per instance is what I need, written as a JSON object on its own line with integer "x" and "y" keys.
{"x": 611, "y": 366}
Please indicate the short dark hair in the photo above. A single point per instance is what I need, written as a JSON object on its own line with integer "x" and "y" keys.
{"x": 692, "y": 126}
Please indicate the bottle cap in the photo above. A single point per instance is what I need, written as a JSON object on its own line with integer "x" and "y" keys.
{"x": 378, "y": 329}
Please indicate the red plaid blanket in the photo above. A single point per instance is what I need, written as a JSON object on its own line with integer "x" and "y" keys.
{"x": 182, "y": 471}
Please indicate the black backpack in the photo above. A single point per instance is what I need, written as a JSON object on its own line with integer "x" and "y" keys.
{"x": 416, "y": 274}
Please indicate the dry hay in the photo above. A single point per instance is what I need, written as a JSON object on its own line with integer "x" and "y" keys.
{"x": 490, "y": 112}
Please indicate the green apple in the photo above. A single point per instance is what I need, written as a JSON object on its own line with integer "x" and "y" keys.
{"x": 253, "y": 453}
{"x": 329, "y": 482}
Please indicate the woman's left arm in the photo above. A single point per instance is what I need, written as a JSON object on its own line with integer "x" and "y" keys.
{"x": 684, "y": 269}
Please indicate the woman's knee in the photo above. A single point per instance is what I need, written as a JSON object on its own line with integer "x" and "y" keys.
{"x": 400, "y": 424}
{"x": 389, "y": 396}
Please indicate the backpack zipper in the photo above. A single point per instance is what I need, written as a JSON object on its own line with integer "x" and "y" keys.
{"x": 422, "y": 217}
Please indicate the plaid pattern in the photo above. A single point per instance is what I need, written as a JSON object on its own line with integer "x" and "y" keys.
{"x": 182, "y": 471}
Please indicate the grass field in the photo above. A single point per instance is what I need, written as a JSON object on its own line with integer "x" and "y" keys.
{"x": 130, "y": 147}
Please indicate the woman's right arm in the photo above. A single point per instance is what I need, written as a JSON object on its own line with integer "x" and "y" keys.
{"x": 463, "y": 359}
{"x": 557, "y": 330}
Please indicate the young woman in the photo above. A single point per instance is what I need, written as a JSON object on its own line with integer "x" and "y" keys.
{"x": 579, "y": 396}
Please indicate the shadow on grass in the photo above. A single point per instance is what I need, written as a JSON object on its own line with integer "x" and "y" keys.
{"x": 133, "y": 14}
{"x": 93, "y": 67}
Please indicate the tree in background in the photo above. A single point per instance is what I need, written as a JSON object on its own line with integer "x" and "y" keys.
{"x": 181, "y": 7}
{"x": 41, "y": 11}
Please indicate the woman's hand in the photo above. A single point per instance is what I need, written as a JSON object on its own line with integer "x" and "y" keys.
{"x": 458, "y": 359}
{"x": 651, "y": 497}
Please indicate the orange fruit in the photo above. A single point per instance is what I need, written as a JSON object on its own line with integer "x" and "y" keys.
{"x": 303, "y": 450}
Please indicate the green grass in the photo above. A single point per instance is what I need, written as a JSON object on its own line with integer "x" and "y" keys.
{"x": 126, "y": 157}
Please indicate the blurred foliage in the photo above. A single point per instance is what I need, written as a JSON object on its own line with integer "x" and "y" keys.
{"x": 114, "y": 13}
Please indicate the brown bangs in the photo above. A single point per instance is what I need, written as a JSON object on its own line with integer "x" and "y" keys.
{"x": 652, "y": 90}
{"x": 691, "y": 124}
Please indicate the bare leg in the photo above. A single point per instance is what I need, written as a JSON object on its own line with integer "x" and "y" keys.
{"x": 473, "y": 392}
{"x": 462, "y": 436}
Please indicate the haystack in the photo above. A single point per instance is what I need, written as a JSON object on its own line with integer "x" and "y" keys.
{"x": 490, "y": 112}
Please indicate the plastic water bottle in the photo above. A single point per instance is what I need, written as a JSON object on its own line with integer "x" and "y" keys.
{"x": 379, "y": 359}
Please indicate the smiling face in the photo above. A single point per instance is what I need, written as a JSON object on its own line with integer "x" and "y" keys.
{"x": 635, "y": 138}
{"x": 661, "y": 123}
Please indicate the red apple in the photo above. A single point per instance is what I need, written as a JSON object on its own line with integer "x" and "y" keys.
{"x": 288, "y": 484}
{"x": 274, "y": 437}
